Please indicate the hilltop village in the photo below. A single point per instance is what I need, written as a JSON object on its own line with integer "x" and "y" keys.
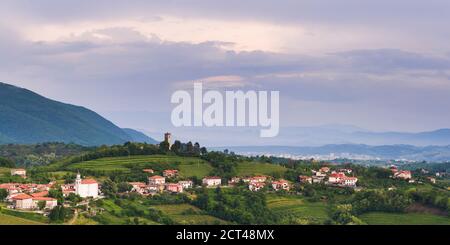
{"x": 83, "y": 193}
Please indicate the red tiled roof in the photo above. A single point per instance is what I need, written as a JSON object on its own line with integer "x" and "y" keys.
{"x": 40, "y": 194}
{"x": 22, "y": 196}
{"x": 88, "y": 181}
{"x": 156, "y": 177}
{"x": 337, "y": 175}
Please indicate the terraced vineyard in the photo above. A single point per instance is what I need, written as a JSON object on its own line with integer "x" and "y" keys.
{"x": 188, "y": 166}
{"x": 188, "y": 214}
{"x": 253, "y": 168}
{"x": 316, "y": 211}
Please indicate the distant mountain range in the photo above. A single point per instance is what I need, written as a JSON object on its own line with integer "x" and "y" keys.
{"x": 347, "y": 134}
{"x": 350, "y": 151}
{"x": 26, "y": 117}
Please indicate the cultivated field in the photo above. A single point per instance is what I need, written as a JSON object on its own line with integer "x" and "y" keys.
{"x": 252, "y": 168}
{"x": 188, "y": 166}
{"x": 188, "y": 214}
{"x": 316, "y": 211}
{"x": 13, "y": 220}
{"x": 381, "y": 218}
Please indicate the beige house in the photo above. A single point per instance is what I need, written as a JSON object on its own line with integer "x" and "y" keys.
{"x": 19, "y": 171}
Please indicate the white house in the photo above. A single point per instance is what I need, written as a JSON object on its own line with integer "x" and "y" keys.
{"x": 305, "y": 179}
{"x": 186, "y": 184}
{"x": 335, "y": 178}
{"x": 23, "y": 201}
{"x": 212, "y": 181}
{"x": 50, "y": 202}
{"x": 86, "y": 187}
{"x": 404, "y": 174}
{"x": 156, "y": 180}
{"x": 349, "y": 181}
{"x": 256, "y": 186}
{"x": 280, "y": 185}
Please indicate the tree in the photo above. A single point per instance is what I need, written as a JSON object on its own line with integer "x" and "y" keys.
{"x": 3, "y": 194}
{"x": 58, "y": 214}
{"x": 5, "y": 162}
{"x": 164, "y": 146}
{"x": 109, "y": 187}
{"x": 124, "y": 187}
{"x": 74, "y": 198}
{"x": 176, "y": 147}
{"x": 343, "y": 215}
{"x": 41, "y": 204}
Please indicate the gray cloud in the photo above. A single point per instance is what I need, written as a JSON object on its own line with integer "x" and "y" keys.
{"x": 130, "y": 77}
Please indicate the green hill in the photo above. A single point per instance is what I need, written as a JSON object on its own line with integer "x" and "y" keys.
{"x": 27, "y": 118}
{"x": 137, "y": 136}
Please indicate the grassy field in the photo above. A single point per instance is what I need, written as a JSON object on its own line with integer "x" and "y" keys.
{"x": 25, "y": 215}
{"x": 381, "y": 218}
{"x": 4, "y": 171}
{"x": 13, "y": 220}
{"x": 188, "y": 166}
{"x": 300, "y": 208}
{"x": 250, "y": 168}
{"x": 188, "y": 214}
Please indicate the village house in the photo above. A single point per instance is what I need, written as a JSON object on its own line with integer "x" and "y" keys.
{"x": 19, "y": 171}
{"x": 319, "y": 174}
{"x": 22, "y": 201}
{"x": 305, "y": 179}
{"x": 170, "y": 173}
{"x": 280, "y": 185}
{"x": 25, "y": 201}
{"x": 174, "y": 187}
{"x": 317, "y": 179}
{"x": 234, "y": 181}
{"x": 139, "y": 187}
{"x": 432, "y": 180}
{"x": 335, "y": 178}
{"x": 212, "y": 181}
{"x": 67, "y": 189}
{"x": 403, "y": 174}
{"x": 256, "y": 186}
{"x": 13, "y": 188}
{"x": 349, "y": 181}
{"x": 148, "y": 170}
{"x": 86, "y": 187}
{"x": 153, "y": 188}
{"x": 258, "y": 179}
{"x": 393, "y": 169}
{"x": 345, "y": 170}
{"x": 324, "y": 169}
{"x": 50, "y": 202}
{"x": 156, "y": 180}
{"x": 187, "y": 184}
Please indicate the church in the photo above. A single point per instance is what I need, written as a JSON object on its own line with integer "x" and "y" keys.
{"x": 86, "y": 187}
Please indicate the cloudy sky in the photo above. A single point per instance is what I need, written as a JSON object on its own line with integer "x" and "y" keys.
{"x": 381, "y": 65}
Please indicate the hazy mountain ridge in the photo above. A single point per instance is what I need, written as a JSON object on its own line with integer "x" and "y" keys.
{"x": 383, "y": 152}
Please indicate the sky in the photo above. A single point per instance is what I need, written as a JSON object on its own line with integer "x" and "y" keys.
{"x": 381, "y": 65}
